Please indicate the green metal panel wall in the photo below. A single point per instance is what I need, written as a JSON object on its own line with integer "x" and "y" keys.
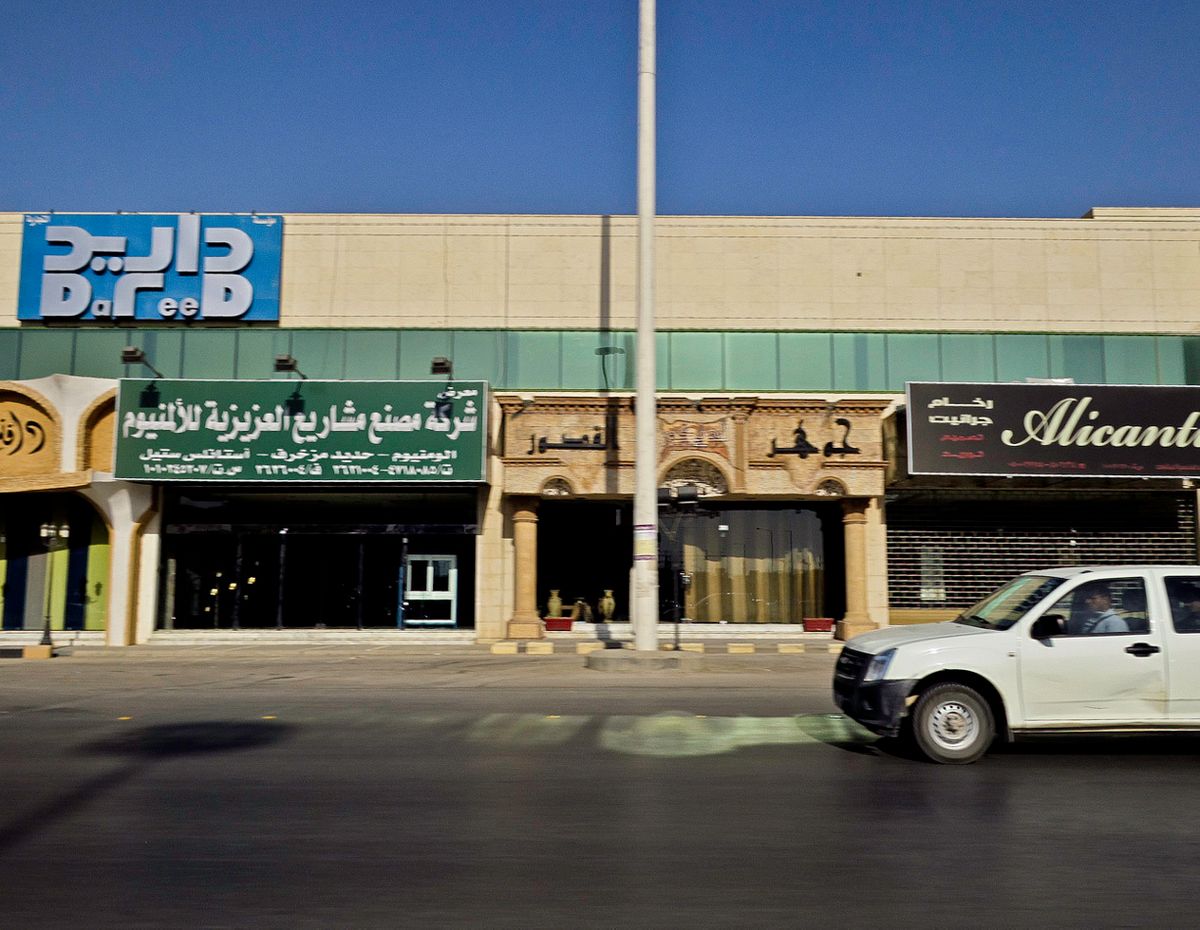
{"x": 568, "y": 359}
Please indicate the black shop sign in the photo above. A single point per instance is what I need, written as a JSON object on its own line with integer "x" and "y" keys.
{"x": 1053, "y": 430}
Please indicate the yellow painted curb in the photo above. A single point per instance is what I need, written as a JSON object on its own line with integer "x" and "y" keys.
{"x": 584, "y": 649}
{"x": 539, "y": 649}
{"x": 504, "y": 649}
{"x": 38, "y": 652}
{"x": 794, "y": 648}
{"x": 741, "y": 648}
{"x": 835, "y": 649}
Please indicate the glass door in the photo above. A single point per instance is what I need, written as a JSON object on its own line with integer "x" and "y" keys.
{"x": 430, "y": 586}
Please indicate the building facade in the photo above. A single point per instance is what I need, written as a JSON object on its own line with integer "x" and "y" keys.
{"x": 308, "y": 350}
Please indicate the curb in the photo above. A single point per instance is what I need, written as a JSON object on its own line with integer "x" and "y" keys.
{"x": 27, "y": 652}
{"x": 546, "y": 648}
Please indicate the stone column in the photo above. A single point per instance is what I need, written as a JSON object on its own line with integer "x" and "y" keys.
{"x": 133, "y": 593}
{"x": 854, "y": 528}
{"x": 525, "y": 623}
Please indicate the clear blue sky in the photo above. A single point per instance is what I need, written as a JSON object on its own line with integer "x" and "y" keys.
{"x": 825, "y": 107}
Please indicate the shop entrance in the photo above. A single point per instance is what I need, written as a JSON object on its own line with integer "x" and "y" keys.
{"x": 751, "y": 563}
{"x": 430, "y": 585}
{"x": 718, "y": 562}
{"x": 246, "y": 562}
{"x": 54, "y": 563}
{"x": 584, "y": 549}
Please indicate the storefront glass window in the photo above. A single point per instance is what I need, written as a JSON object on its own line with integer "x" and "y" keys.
{"x": 743, "y": 566}
{"x": 239, "y": 560}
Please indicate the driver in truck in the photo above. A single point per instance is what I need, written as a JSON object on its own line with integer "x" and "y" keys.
{"x": 1098, "y": 615}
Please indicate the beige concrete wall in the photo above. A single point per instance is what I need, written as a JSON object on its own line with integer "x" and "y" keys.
{"x": 1116, "y": 270}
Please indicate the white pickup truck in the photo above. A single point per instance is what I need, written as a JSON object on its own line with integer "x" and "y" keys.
{"x": 1088, "y": 649}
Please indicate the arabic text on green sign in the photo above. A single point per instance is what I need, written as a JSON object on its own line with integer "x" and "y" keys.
{"x": 326, "y": 431}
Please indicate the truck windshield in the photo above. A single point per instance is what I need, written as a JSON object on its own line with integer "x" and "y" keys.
{"x": 1005, "y": 606}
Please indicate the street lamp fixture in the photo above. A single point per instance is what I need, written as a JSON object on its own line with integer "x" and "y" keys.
{"x": 51, "y": 534}
{"x": 289, "y": 363}
{"x": 135, "y": 355}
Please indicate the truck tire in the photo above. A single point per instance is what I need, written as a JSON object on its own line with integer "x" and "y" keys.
{"x": 952, "y": 723}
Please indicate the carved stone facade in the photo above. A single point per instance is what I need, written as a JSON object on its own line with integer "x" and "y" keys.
{"x": 731, "y": 447}
{"x": 735, "y": 450}
{"x": 30, "y": 436}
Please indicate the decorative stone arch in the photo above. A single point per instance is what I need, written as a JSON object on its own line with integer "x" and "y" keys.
{"x": 830, "y": 487}
{"x": 709, "y": 478}
{"x": 97, "y": 437}
{"x": 557, "y": 486}
{"x": 31, "y": 430}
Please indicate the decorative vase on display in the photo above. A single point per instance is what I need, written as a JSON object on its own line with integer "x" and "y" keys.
{"x": 607, "y": 605}
{"x": 554, "y": 604}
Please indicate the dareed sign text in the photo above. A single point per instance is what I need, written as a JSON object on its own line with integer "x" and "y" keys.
{"x": 302, "y": 431}
{"x": 164, "y": 268}
{"x": 1083, "y": 430}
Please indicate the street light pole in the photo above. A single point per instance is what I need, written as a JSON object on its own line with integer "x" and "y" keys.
{"x": 645, "y": 499}
{"x": 51, "y": 533}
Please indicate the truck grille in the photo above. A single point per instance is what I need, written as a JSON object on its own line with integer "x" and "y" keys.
{"x": 850, "y": 668}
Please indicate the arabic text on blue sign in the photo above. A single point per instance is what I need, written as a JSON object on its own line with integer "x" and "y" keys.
{"x": 161, "y": 267}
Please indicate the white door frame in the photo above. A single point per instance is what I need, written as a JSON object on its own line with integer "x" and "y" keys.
{"x": 424, "y": 592}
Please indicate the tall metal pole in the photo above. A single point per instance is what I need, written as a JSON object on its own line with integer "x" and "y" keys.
{"x": 645, "y": 500}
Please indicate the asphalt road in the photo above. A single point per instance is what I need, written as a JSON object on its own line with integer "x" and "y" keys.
{"x": 350, "y": 787}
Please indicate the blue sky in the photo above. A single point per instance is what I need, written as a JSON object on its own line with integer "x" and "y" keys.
{"x": 813, "y": 107}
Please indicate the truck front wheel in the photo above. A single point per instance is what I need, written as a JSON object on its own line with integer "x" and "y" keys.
{"x": 952, "y": 723}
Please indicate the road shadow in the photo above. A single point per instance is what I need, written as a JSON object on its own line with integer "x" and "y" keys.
{"x": 1043, "y": 746}
{"x": 1110, "y": 745}
{"x": 142, "y": 747}
{"x": 185, "y": 739}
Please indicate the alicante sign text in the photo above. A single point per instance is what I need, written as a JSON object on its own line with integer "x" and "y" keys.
{"x": 1060, "y": 430}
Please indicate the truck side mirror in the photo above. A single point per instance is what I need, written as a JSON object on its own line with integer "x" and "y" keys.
{"x": 1048, "y": 625}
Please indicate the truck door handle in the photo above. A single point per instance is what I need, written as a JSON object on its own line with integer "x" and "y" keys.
{"x": 1141, "y": 650}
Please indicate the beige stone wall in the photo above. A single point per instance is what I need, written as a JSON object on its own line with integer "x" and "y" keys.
{"x": 1116, "y": 270}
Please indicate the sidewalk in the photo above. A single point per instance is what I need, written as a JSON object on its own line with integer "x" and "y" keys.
{"x": 583, "y": 632}
{"x": 750, "y": 641}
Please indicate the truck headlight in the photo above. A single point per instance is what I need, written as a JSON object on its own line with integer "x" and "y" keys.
{"x": 878, "y": 665}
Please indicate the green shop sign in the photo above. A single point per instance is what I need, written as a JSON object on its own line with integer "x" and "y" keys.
{"x": 315, "y": 431}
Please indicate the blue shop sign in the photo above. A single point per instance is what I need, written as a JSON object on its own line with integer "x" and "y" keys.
{"x": 150, "y": 267}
